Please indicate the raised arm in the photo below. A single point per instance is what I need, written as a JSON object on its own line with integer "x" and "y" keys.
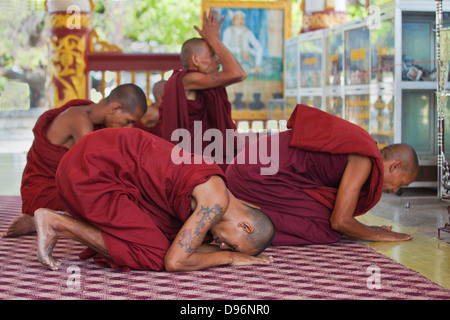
{"x": 356, "y": 173}
{"x": 186, "y": 252}
{"x": 232, "y": 71}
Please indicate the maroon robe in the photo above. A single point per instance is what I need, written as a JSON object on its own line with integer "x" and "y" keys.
{"x": 300, "y": 197}
{"x": 156, "y": 130}
{"x": 211, "y": 107}
{"x": 124, "y": 182}
{"x": 38, "y": 189}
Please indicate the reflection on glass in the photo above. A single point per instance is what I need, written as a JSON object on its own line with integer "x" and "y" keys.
{"x": 383, "y": 51}
{"x": 313, "y": 101}
{"x": 291, "y": 78}
{"x": 357, "y": 63}
{"x": 418, "y": 51}
{"x": 357, "y": 110}
{"x": 335, "y": 51}
{"x": 334, "y": 106}
{"x": 311, "y": 64}
{"x": 382, "y": 119}
{"x": 418, "y": 121}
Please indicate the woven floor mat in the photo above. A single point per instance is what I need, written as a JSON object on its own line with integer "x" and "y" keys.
{"x": 345, "y": 270}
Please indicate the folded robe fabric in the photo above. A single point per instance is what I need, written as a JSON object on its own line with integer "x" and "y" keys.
{"x": 38, "y": 188}
{"x": 211, "y": 107}
{"x": 319, "y": 131}
{"x": 125, "y": 182}
{"x": 299, "y": 197}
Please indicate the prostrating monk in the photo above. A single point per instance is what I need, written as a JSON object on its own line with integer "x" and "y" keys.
{"x": 329, "y": 171}
{"x": 150, "y": 120}
{"x": 55, "y": 132}
{"x": 197, "y": 92}
{"x": 136, "y": 209}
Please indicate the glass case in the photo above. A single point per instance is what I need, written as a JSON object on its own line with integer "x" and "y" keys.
{"x": 418, "y": 47}
{"x": 291, "y": 79}
{"x": 334, "y": 74}
{"x": 357, "y": 56}
{"x": 313, "y": 101}
{"x": 382, "y": 45}
{"x": 357, "y": 109}
{"x": 334, "y": 105}
{"x": 418, "y": 121}
{"x": 311, "y": 63}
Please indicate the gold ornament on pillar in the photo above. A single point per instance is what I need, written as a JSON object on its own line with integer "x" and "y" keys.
{"x": 69, "y": 29}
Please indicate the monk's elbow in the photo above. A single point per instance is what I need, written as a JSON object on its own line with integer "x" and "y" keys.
{"x": 338, "y": 225}
{"x": 171, "y": 265}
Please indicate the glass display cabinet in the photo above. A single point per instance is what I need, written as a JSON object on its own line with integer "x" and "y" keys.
{"x": 380, "y": 76}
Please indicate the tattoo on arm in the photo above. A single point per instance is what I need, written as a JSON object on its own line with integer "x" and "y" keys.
{"x": 190, "y": 240}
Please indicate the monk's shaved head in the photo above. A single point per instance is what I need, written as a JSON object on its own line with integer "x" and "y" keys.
{"x": 130, "y": 97}
{"x": 190, "y": 47}
{"x": 404, "y": 153}
{"x": 264, "y": 229}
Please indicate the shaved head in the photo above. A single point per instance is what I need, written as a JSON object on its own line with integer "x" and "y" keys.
{"x": 130, "y": 97}
{"x": 404, "y": 153}
{"x": 190, "y": 47}
{"x": 264, "y": 229}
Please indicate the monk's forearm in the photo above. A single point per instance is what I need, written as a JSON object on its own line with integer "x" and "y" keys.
{"x": 227, "y": 59}
{"x": 199, "y": 261}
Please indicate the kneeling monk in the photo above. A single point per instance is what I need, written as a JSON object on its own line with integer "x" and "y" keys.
{"x": 329, "y": 171}
{"x": 136, "y": 209}
{"x": 55, "y": 132}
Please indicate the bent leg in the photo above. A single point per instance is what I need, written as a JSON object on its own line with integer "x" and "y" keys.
{"x": 50, "y": 225}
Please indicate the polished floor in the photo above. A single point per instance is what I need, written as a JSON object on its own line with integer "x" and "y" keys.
{"x": 416, "y": 212}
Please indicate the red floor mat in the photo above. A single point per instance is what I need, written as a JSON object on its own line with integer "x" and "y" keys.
{"x": 345, "y": 270}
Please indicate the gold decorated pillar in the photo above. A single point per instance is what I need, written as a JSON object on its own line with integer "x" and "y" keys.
{"x": 320, "y": 14}
{"x": 70, "y": 26}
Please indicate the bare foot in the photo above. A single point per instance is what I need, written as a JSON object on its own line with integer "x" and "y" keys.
{"x": 20, "y": 226}
{"x": 46, "y": 237}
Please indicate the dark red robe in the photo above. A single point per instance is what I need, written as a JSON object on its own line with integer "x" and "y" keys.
{"x": 38, "y": 189}
{"x": 124, "y": 182}
{"x": 211, "y": 107}
{"x": 300, "y": 197}
{"x": 156, "y": 130}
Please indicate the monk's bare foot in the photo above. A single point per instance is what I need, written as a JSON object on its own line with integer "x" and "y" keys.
{"x": 46, "y": 237}
{"x": 20, "y": 226}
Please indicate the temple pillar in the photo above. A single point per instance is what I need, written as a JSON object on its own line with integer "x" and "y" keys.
{"x": 320, "y": 14}
{"x": 70, "y": 26}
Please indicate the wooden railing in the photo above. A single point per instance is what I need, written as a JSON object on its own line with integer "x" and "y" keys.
{"x": 133, "y": 63}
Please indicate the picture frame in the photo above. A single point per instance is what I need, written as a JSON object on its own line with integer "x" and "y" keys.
{"x": 255, "y": 32}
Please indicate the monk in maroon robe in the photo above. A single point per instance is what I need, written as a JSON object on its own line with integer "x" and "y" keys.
{"x": 131, "y": 205}
{"x": 56, "y": 131}
{"x": 329, "y": 171}
{"x": 150, "y": 120}
{"x": 197, "y": 93}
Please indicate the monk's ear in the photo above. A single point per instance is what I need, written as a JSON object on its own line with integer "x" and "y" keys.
{"x": 246, "y": 226}
{"x": 115, "y": 107}
{"x": 194, "y": 60}
{"x": 396, "y": 164}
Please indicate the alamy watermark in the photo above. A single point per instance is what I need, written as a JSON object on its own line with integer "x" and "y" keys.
{"x": 263, "y": 152}
{"x": 374, "y": 280}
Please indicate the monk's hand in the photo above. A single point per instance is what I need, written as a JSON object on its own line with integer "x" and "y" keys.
{"x": 241, "y": 259}
{"x": 211, "y": 27}
{"x": 388, "y": 235}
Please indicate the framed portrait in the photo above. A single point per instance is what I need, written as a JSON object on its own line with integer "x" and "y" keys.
{"x": 255, "y": 32}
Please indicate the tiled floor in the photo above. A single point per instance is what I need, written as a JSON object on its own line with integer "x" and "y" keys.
{"x": 425, "y": 253}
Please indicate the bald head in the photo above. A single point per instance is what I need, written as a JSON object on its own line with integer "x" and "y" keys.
{"x": 264, "y": 229}
{"x": 404, "y": 153}
{"x": 190, "y": 47}
{"x": 130, "y": 97}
